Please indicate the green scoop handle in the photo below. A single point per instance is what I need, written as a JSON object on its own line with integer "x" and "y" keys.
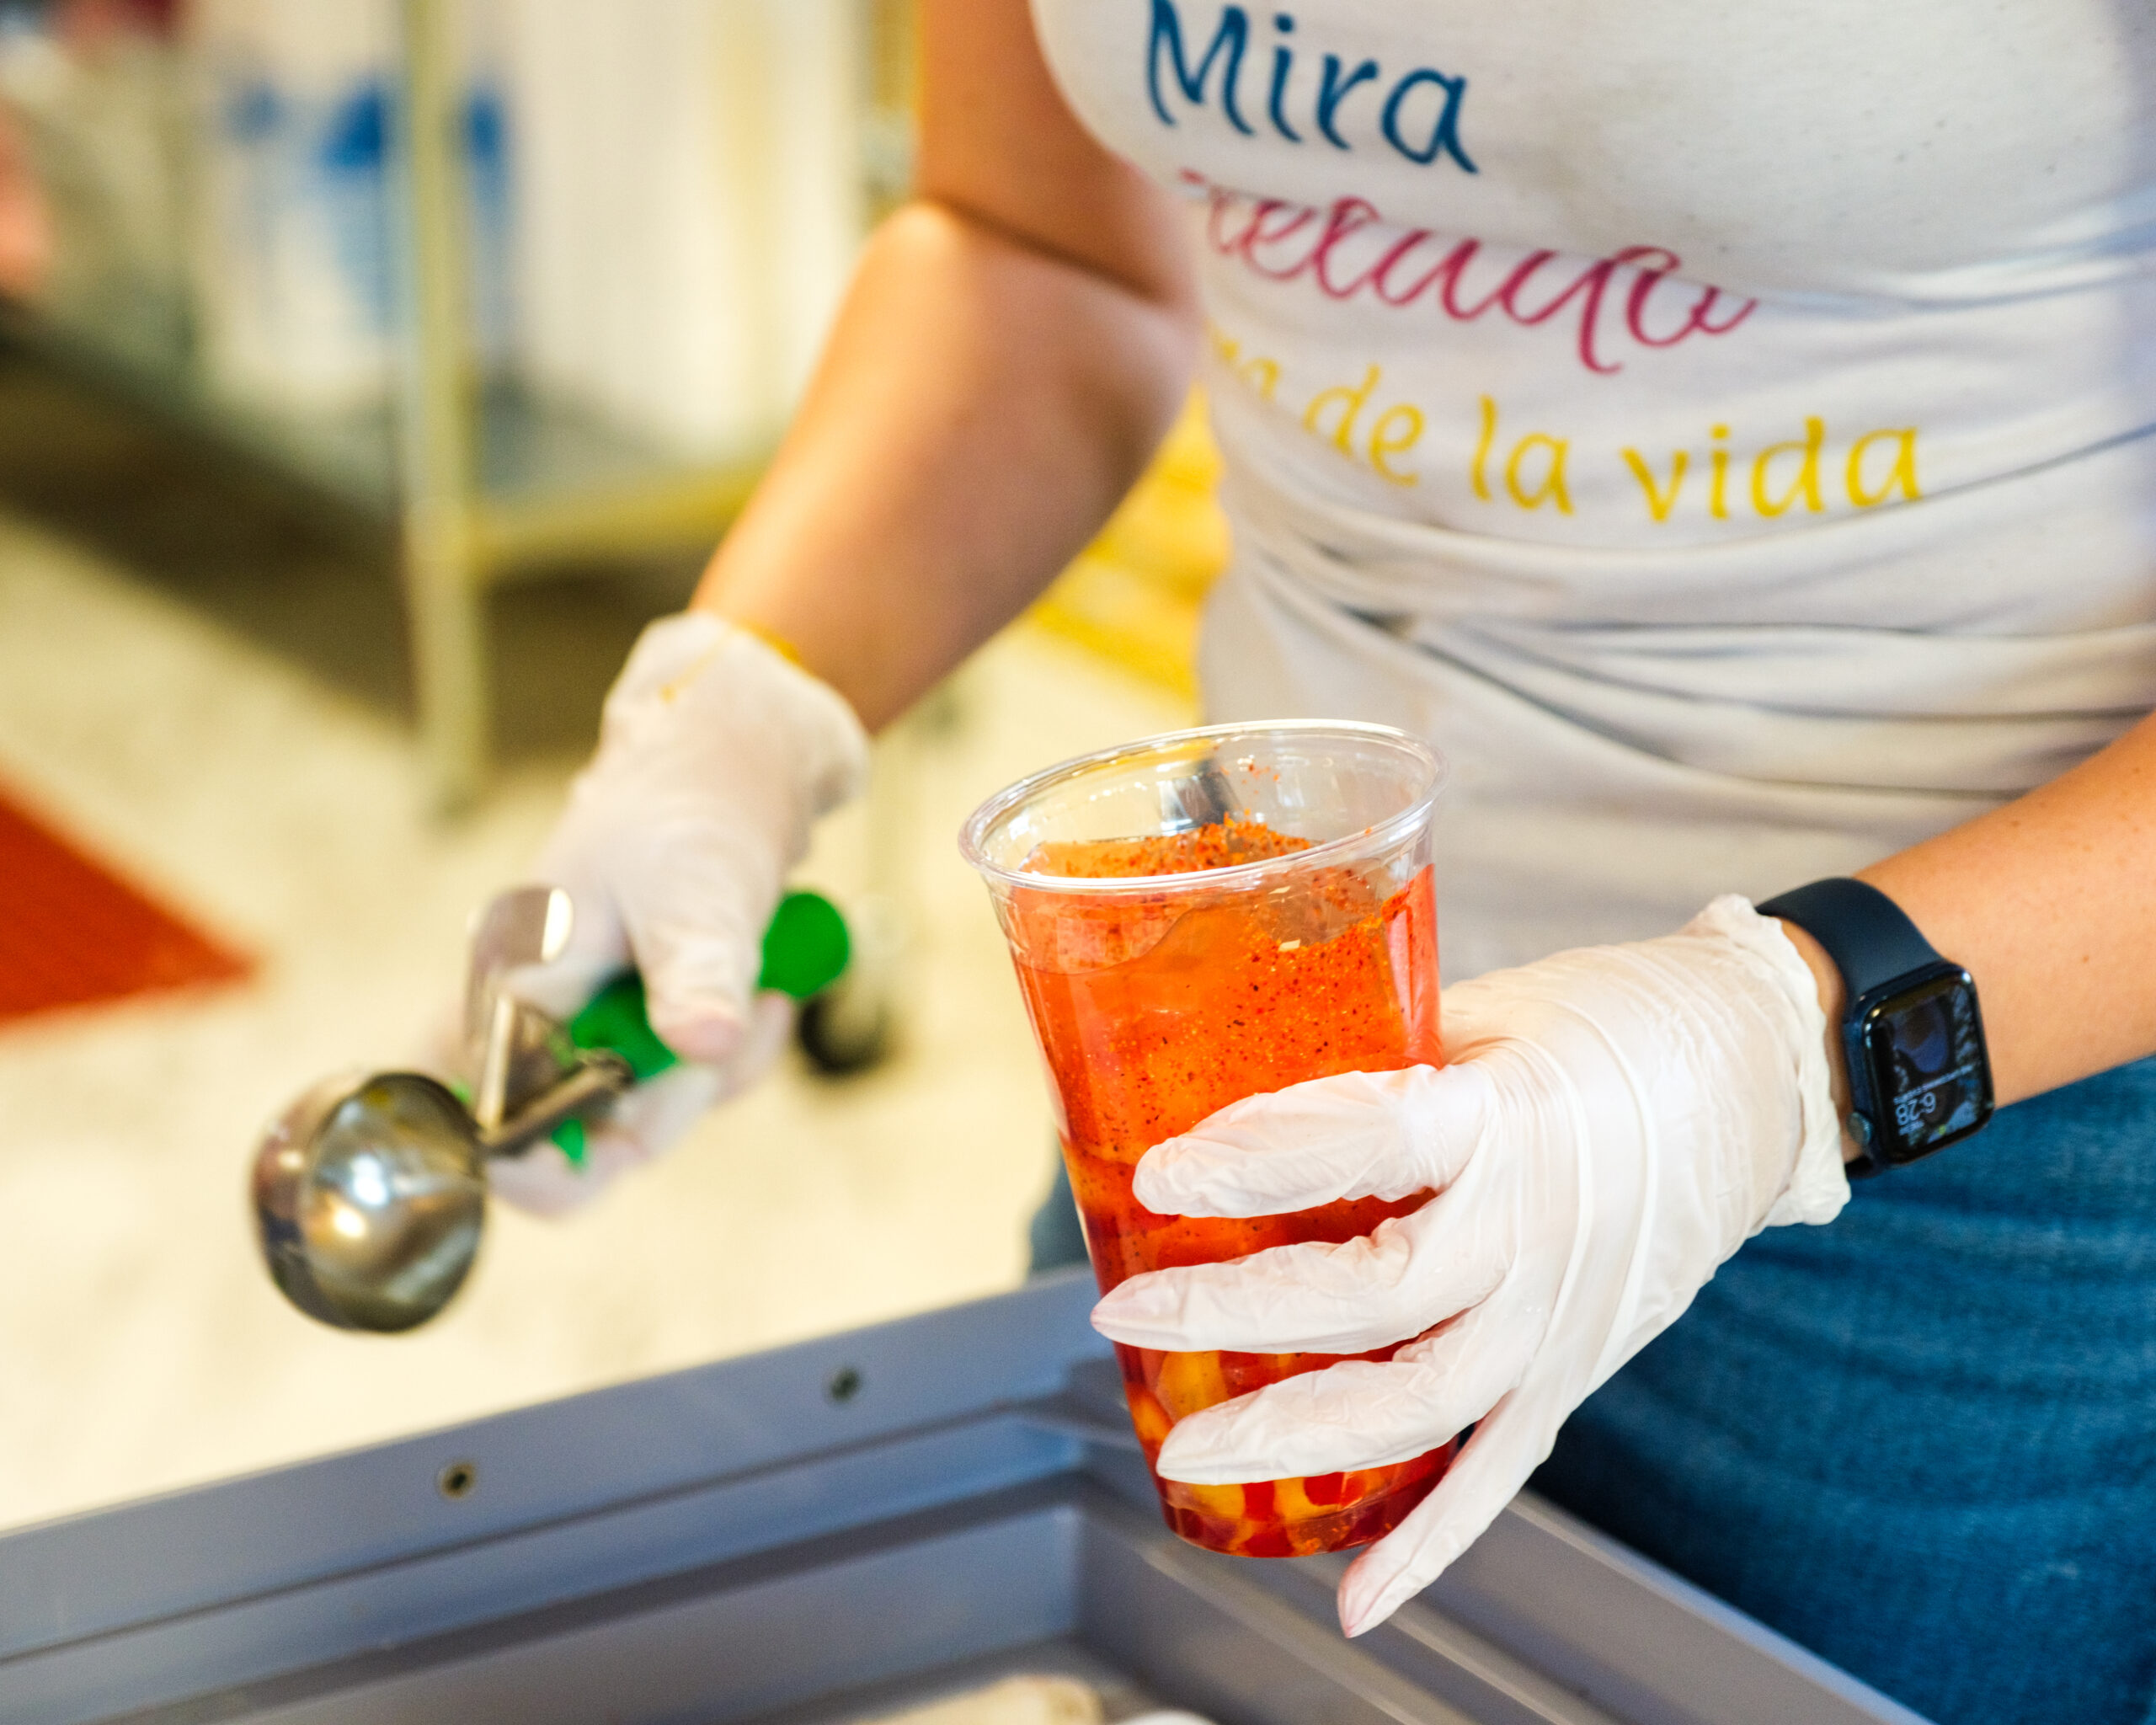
{"x": 806, "y": 948}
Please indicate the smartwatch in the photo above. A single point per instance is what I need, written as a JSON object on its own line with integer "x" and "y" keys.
{"x": 1919, "y": 1075}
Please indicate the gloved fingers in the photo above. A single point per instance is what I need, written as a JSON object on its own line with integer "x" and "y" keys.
{"x": 771, "y": 1017}
{"x": 679, "y": 891}
{"x": 597, "y": 950}
{"x": 1491, "y": 1468}
{"x": 1413, "y": 1272}
{"x": 654, "y": 1114}
{"x": 643, "y": 1121}
{"x": 1356, "y": 1414}
{"x": 696, "y": 928}
{"x": 1358, "y": 1135}
{"x": 543, "y": 1182}
{"x": 560, "y": 990}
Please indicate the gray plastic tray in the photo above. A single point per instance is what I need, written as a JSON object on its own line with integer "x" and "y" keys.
{"x": 820, "y": 1533}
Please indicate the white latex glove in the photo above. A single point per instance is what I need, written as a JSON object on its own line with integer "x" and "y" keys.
{"x": 716, "y": 754}
{"x": 1615, "y": 1123}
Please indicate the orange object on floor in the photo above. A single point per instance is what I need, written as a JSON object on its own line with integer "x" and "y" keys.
{"x": 74, "y": 934}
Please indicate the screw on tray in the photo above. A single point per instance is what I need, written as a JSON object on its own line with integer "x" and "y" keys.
{"x": 845, "y": 1384}
{"x": 458, "y": 1480}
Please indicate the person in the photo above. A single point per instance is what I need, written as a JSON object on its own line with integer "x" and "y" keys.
{"x": 1723, "y": 433}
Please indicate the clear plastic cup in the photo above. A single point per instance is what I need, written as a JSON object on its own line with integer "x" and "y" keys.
{"x": 1197, "y": 918}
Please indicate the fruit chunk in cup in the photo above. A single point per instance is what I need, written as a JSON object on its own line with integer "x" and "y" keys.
{"x": 1195, "y": 920}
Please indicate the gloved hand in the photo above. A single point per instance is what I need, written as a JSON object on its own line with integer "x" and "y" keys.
{"x": 716, "y": 754}
{"x": 1614, "y": 1122}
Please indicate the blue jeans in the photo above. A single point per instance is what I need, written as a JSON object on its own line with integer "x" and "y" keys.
{"x": 1922, "y": 1441}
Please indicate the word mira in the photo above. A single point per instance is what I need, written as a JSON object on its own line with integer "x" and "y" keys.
{"x": 1418, "y": 116}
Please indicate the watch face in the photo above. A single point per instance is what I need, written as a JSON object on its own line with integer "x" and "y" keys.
{"x": 1926, "y": 1051}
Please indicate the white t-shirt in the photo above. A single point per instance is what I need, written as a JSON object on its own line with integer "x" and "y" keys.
{"x": 1718, "y": 428}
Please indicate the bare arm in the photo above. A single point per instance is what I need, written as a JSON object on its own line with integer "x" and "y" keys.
{"x": 2050, "y": 903}
{"x": 1016, "y": 341}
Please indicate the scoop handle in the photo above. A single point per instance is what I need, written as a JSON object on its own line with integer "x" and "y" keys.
{"x": 806, "y": 949}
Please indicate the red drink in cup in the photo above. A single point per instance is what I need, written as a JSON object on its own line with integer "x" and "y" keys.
{"x": 1198, "y": 919}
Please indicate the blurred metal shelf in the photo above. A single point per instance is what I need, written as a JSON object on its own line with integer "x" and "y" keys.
{"x": 352, "y": 458}
{"x": 553, "y": 482}
{"x": 484, "y": 481}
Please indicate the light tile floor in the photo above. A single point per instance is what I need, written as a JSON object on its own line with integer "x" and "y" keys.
{"x": 141, "y": 1347}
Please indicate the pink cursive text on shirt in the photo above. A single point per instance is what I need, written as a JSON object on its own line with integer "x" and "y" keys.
{"x": 1350, "y": 249}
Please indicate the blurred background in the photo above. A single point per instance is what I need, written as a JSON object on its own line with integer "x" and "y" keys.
{"x": 371, "y": 370}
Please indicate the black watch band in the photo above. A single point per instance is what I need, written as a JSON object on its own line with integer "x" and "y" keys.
{"x": 1920, "y": 1077}
{"x": 1868, "y": 936}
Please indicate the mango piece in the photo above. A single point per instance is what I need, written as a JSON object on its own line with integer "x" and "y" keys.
{"x": 1189, "y": 1381}
{"x": 1219, "y": 1503}
{"x": 1291, "y": 1503}
{"x": 1147, "y": 1416}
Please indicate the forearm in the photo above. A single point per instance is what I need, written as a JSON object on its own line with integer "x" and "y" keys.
{"x": 982, "y": 407}
{"x": 2046, "y": 901}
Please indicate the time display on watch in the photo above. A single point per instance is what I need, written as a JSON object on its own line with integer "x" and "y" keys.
{"x": 1923, "y": 1045}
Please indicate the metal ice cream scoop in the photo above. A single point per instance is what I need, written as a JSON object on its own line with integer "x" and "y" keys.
{"x": 371, "y": 1190}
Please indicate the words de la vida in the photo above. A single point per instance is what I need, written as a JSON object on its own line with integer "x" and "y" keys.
{"x": 1808, "y": 467}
